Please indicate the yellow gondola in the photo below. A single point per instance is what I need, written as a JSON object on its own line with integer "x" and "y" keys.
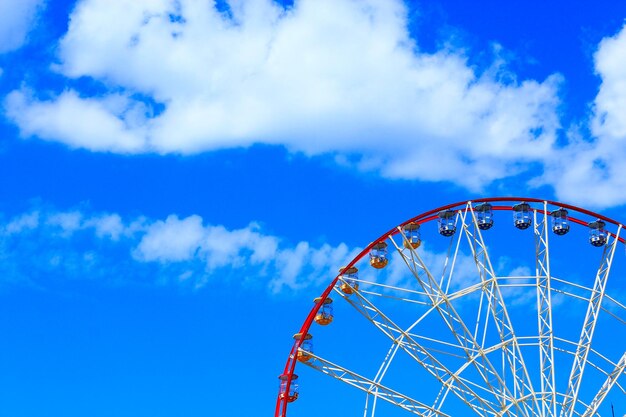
{"x": 411, "y": 232}
{"x": 306, "y": 348}
{"x": 292, "y": 394}
{"x": 349, "y": 278}
{"x": 378, "y": 255}
{"x": 324, "y": 315}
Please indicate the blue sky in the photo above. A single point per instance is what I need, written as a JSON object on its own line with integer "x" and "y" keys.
{"x": 178, "y": 179}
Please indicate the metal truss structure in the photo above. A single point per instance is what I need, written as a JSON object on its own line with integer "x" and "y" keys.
{"x": 492, "y": 341}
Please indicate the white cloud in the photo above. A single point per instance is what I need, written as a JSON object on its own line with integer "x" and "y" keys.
{"x": 68, "y": 222}
{"x": 293, "y": 267}
{"x": 171, "y": 240}
{"x": 303, "y": 266}
{"x": 239, "y": 247}
{"x": 27, "y": 221}
{"x": 16, "y": 20}
{"x": 610, "y": 104}
{"x": 592, "y": 172}
{"x": 108, "y": 225}
{"x": 175, "y": 240}
{"x": 339, "y": 77}
{"x": 98, "y": 124}
{"x": 326, "y": 76}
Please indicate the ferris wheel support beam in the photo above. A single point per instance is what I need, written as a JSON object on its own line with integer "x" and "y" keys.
{"x": 598, "y": 366}
{"x": 459, "y": 329}
{"x": 512, "y": 353}
{"x": 352, "y": 378}
{"x": 606, "y": 387}
{"x": 391, "y": 354}
{"x": 591, "y": 318}
{"x": 467, "y": 382}
{"x": 544, "y": 314}
{"x": 423, "y": 357}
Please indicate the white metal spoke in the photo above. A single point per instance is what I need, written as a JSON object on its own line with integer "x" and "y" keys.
{"x": 561, "y": 346}
{"x": 464, "y": 330}
{"x": 378, "y": 289}
{"x": 586, "y": 336}
{"x": 459, "y": 330}
{"x": 596, "y": 365}
{"x": 367, "y": 385}
{"x": 512, "y": 354}
{"x": 544, "y": 315}
{"x": 606, "y": 387}
{"x": 607, "y": 298}
{"x": 382, "y": 370}
{"x": 423, "y": 357}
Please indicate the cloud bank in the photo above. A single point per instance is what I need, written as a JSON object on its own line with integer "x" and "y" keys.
{"x": 47, "y": 248}
{"x": 339, "y": 77}
{"x": 336, "y": 77}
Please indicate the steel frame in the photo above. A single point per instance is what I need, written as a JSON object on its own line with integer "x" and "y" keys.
{"x": 486, "y": 390}
{"x": 544, "y": 313}
{"x": 591, "y": 318}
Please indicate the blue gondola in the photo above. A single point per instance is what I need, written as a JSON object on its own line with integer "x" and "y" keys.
{"x": 484, "y": 216}
{"x": 560, "y": 224}
{"x": 447, "y": 226}
{"x": 597, "y": 235}
{"x": 521, "y": 216}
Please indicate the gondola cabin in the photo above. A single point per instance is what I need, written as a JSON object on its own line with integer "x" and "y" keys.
{"x": 522, "y": 216}
{"x": 447, "y": 222}
{"x": 291, "y": 392}
{"x": 560, "y": 224}
{"x": 411, "y": 232}
{"x": 306, "y": 347}
{"x": 349, "y": 280}
{"x": 484, "y": 216}
{"x": 378, "y": 255}
{"x": 324, "y": 315}
{"x": 597, "y": 235}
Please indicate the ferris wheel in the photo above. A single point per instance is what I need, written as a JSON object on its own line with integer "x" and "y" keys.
{"x": 496, "y": 307}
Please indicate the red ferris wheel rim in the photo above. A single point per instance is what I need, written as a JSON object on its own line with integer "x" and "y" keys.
{"x": 428, "y": 216}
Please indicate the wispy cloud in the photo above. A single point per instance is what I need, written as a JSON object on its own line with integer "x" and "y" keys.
{"x": 16, "y": 20}
{"x": 71, "y": 245}
{"x": 45, "y": 248}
